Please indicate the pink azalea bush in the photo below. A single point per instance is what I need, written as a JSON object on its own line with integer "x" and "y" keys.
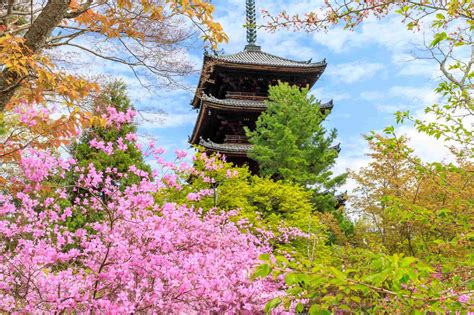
{"x": 145, "y": 255}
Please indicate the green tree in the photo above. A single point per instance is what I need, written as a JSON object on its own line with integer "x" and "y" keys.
{"x": 114, "y": 95}
{"x": 291, "y": 144}
{"x": 289, "y": 141}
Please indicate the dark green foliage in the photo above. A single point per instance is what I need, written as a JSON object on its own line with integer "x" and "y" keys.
{"x": 289, "y": 141}
{"x": 291, "y": 144}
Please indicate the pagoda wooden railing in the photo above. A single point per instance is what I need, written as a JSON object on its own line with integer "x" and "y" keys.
{"x": 235, "y": 139}
{"x": 246, "y": 95}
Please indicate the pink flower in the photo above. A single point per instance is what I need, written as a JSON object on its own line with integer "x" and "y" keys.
{"x": 30, "y": 114}
{"x": 118, "y": 119}
{"x": 131, "y": 137}
{"x": 144, "y": 254}
{"x": 192, "y": 196}
{"x": 107, "y": 148}
{"x": 463, "y": 299}
{"x": 180, "y": 154}
{"x": 121, "y": 145}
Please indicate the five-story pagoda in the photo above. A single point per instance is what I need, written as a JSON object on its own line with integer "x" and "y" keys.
{"x": 232, "y": 90}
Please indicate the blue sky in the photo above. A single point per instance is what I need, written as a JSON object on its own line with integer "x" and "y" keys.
{"x": 370, "y": 75}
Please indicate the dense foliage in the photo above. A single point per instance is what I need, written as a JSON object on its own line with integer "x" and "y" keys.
{"x": 205, "y": 237}
{"x": 99, "y": 231}
{"x": 412, "y": 248}
{"x": 290, "y": 142}
{"x": 279, "y": 211}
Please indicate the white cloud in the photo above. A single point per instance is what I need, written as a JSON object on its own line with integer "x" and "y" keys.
{"x": 413, "y": 97}
{"x": 428, "y": 148}
{"x": 390, "y": 109}
{"x": 337, "y": 39}
{"x": 164, "y": 120}
{"x": 411, "y": 66}
{"x": 417, "y": 95}
{"x": 371, "y": 95}
{"x": 324, "y": 94}
{"x": 354, "y": 71}
{"x": 389, "y": 33}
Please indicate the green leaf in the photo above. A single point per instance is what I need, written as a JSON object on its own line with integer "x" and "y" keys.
{"x": 314, "y": 310}
{"x": 355, "y": 299}
{"x": 338, "y": 274}
{"x": 389, "y": 130}
{"x": 264, "y": 257}
{"x": 438, "y": 38}
{"x": 262, "y": 271}
{"x": 291, "y": 279}
{"x": 272, "y": 304}
{"x": 299, "y": 308}
{"x": 407, "y": 261}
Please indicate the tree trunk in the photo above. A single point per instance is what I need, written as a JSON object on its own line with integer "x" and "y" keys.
{"x": 49, "y": 18}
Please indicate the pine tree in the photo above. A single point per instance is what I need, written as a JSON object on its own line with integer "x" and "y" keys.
{"x": 291, "y": 144}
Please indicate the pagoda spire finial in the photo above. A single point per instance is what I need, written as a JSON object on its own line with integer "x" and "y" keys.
{"x": 251, "y": 24}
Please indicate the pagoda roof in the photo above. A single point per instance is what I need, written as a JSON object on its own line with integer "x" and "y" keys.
{"x": 327, "y": 106}
{"x": 232, "y": 102}
{"x": 251, "y": 104}
{"x": 242, "y": 148}
{"x": 226, "y": 148}
{"x": 254, "y": 59}
{"x": 336, "y": 147}
{"x": 255, "y": 56}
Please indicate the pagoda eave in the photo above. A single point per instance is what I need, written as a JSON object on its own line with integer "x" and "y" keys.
{"x": 258, "y": 58}
{"x": 230, "y": 104}
{"x": 229, "y": 149}
{"x": 270, "y": 68}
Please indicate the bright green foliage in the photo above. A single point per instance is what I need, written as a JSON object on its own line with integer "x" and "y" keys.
{"x": 412, "y": 249}
{"x": 359, "y": 281}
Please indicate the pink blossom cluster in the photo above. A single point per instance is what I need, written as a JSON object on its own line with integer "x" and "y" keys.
{"x": 195, "y": 196}
{"x": 118, "y": 118}
{"x": 142, "y": 257}
{"x": 286, "y": 234}
{"x": 38, "y": 165}
{"x": 30, "y": 114}
{"x": 107, "y": 148}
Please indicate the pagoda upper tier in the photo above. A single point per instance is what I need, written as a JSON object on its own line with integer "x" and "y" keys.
{"x": 231, "y": 96}
{"x": 232, "y": 91}
{"x": 249, "y": 73}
